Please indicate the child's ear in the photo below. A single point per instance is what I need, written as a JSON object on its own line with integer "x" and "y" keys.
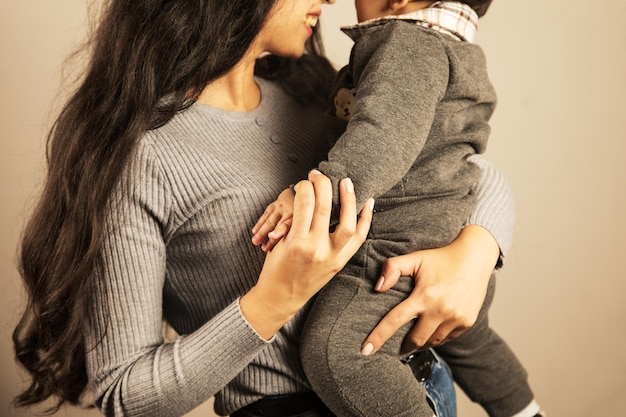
{"x": 397, "y": 4}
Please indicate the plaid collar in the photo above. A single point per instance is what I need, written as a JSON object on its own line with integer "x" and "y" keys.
{"x": 450, "y": 17}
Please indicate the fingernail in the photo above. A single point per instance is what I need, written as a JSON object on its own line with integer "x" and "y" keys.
{"x": 349, "y": 185}
{"x": 380, "y": 283}
{"x": 315, "y": 171}
{"x": 367, "y": 349}
{"x": 371, "y": 203}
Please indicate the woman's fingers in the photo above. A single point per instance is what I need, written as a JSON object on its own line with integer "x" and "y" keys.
{"x": 423, "y": 334}
{"x": 322, "y": 187}
{"x": 365, "y": 220}
{"x": 304, "y": 260}
{"x": 303, "y": 209}
{"x": 394, "y": 268}
{"x": 389, "y": 325}
{"x": 349, "y": 229}
{"x": 347, "y": 214}
{"x": 444, "y": 333}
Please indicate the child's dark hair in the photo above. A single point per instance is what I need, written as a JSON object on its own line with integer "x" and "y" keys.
{"x": 479, "y": 6}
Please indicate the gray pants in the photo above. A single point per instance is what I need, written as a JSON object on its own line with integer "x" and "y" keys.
{"x": 351, "y": 384}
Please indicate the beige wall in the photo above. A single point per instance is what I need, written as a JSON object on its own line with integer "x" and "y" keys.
{"x": 559, "y": 134}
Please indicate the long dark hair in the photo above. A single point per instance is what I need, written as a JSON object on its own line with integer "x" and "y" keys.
{"x": 141, "y": 52}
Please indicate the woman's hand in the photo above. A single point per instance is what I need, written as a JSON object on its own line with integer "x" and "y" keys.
{"x": 450, "y": 287}
{"x": 308, "y": 256}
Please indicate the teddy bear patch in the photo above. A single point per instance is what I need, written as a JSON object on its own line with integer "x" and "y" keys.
{"x": 345, "y": 100}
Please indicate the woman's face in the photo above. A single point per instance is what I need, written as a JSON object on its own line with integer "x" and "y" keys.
{"x": 289, "y": 25}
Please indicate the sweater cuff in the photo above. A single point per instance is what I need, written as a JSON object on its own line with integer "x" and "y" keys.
{"x": 249, "y": 326}
{"x": 495, "y": 210}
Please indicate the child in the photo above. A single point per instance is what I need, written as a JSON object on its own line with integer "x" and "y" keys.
{"x": 418, "y": 100}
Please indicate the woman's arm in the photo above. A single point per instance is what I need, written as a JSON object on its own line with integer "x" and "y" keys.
{"x": 131, "y": 369}
{"x": 308, "y": 256}
{"x": 451, "y": 282}
{"x": 495, "y": 210}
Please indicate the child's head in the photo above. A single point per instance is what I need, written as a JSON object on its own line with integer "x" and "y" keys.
{"x": 479, "y": 6}
{"x": 371, "y": 9}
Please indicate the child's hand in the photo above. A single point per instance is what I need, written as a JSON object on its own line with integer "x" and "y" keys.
{"x": 275, "y": 222}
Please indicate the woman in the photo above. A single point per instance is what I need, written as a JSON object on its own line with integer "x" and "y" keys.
{"x": 158, "y": 167}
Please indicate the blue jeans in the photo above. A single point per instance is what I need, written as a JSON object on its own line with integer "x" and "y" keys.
{"x": 440, "y": 389}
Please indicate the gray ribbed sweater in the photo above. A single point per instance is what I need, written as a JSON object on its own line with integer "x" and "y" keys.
{"x": 178, "y": 246}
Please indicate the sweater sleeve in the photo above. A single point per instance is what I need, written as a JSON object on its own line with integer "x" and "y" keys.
{"x": 495, "y": 210}
{"x": 132, "y": 371}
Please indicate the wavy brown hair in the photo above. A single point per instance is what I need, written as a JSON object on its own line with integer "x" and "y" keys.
{"x": 149, "y": 59}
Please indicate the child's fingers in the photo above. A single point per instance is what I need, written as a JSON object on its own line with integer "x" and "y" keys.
{"x": 269, "y": 244}
{"x": 262, "y": 219}
{"x": 281, "y": 230}
{"x": 276, "y": 235}
{"x": 264, "y": 226}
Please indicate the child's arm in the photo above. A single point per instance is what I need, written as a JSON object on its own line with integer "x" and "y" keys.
{"x": 394, "y": 109}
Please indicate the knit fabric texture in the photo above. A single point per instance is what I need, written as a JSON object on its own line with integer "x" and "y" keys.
{"x": 178, "y": 247}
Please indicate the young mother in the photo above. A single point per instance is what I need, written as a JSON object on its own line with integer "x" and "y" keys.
{"x": 159, "y": 166}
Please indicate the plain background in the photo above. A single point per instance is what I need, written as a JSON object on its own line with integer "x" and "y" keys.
{"x": 559, "y": 135}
